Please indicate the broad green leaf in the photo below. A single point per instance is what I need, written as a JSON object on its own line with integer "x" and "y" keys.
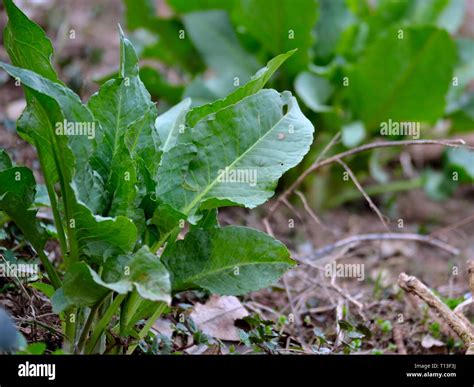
{"x": 256, "y": 83}
{"x": 209, "y": 219}
{"x": 82, "y": 286}
{"x": 335, "y": 17}
{"x": 461, "y": 161}
{"x": 77, "y": 118}
{"x": 102, "y": 237}
{"x": 27, "y": 44}
{"x": 230, "y": 260}
{"x": 235, "y": 156}
{"x": 395, "y": 79}
{"x": 215, "y": 39}
{"x": 46, "y": 289}
{"x": 314, "y": 91}
{"x": 143, "y": 271}
{"x": 165, "y": 218}
{"x": 124, "y": 109}
{"x": 170, "y": 123}
{"x": 280, "y": 26}
{"x": 17, "y": 193}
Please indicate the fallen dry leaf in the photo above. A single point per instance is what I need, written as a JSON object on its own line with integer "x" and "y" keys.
{"x": 217, "y": 316}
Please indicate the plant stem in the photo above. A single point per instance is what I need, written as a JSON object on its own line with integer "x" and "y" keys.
{"x": 71, "y": 328}
{"x": 54, "y": 206}
{"x": 103, "y": 322}
{"x": 52, "y": 274}
{"x": 129, "y": 307}
{"x": 161, "y": 242}
{"x": 144, "y": 331}
{"x": 87, "y": 326}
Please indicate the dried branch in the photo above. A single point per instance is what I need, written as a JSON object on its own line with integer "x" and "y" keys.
{"x": 364, "y": 194}
{"x": 458, "y": 143}
{"x": 412, "y": 285}
{"x": 328, "y": 249}
{"x": 308, "y": 208}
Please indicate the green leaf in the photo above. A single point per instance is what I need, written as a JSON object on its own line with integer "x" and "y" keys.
{"x": 82, "y": 286}
{"x": 334, "y": 19}
{"x": 214, "y": 38}
{"x": 27, "y": 44}
{"x": 102, "y": 237}
{"x": 280, "y": 26}
{"x": 235, "y": 156}
{"x": 52, "y": 102}
{"x": 17, "y": 193}
{"x": 124, "y": 109}
{"x": 256, "y": 83}
{"x": 314, "y": 91}
{"x": 165, "y": 218}
{"x": 170, "y": 123}
{"x": 229, "y": 260}
{"x": 44, "y": 288}
{"x": 142, "y": 270}
{"x": 209, "y": 219}
{"x": 390, "y": 81}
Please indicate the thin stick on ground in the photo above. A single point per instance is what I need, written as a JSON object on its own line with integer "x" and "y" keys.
{"x": 457, "y": 143}
{"x": 364, "y": 194}
{"x": 355, "y": 239}
{"x": 398, "y": 338}
{"x": 412, "y": 285}
{"x": 308, "y": 208}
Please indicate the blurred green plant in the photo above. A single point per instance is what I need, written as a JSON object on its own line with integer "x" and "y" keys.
{"x": 359, "y": 65}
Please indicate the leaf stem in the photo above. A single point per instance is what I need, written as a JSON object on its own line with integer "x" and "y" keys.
{"x": 52, "y": 274}
{"x": 103, "y": 322}
{"x": 87, "y": 326}
{"x": 144, "y": 331}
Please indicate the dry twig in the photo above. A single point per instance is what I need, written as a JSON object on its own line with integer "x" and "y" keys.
{"x": 382, "y": 144}
{"x": 459, "y": 325}
{"x": 328, "y": 249}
